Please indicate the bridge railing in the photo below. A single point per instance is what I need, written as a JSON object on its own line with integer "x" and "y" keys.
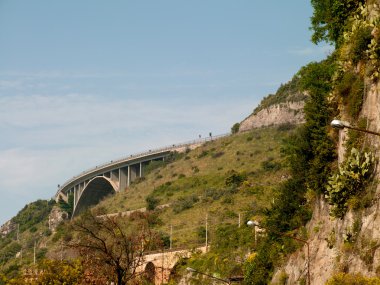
{"x": 139, "y": 155}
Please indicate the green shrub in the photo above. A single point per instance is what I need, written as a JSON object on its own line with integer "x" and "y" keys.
{"x": 152, "y": 166}
{"x": 40, "y": 254}
{"x": 163, "y": 189}
{"x": 352, "y": 279}
{"x": 217, "y": 154}
{"x": 204, "y": 153}
{"x": 354, "y": 138}
{"x": 270, "y": 165}
{"x": 216, "y": 194}
{"x": 228, "y": 199}
{"x": 213, "y": 193}
{"x": 351, "y": 89}
{"x": 234, "y": 178}
{"x": 359, "y": 42}
{"x": 201, "y": 233}
{"x": 151, "y": 202}
{"x": 165, "y": 239}
{"x": 235, "y": 128}
{"x": 349, "y": 181}
{"x": 184, "y": 203}
{"x": 286, "y": 127}
{"x": 33, "y": 229}
{"x": 195, "y": 169}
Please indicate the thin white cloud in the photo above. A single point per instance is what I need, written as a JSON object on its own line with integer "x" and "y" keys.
{"x": 11, "y": 84}
{"x": 313, "y": 50}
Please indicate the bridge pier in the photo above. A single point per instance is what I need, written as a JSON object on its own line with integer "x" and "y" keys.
{"x": 123, "y": 178}
{"x": 134, "y": 172}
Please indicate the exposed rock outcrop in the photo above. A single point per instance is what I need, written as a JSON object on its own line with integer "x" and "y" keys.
{"x": 288, "y": 112}
{"x": 56, "y": 216}
{"x": 7, "y": 228}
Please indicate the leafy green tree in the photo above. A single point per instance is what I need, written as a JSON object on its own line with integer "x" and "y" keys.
{"x": 68, "y": 206}
{"x": 309, "y": 151}
{"x": 309, "y": 154}
{"x": 151, "y": 202}
{"x": 316, "y": 79}
{"x": 235, "y": 128}
{"x": 330, "y": 18}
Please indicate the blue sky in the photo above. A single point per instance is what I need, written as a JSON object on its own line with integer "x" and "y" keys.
{"x": 83, "y": 82}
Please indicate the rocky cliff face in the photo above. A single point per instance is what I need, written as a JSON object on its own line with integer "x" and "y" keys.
{"x": 7, "y": 228}
{"x": 288, "y": 112}
{"x": 351, "y": 244}
{"x": 56, "y": 216}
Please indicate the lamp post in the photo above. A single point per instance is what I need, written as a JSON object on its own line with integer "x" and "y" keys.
{"x": 338, "y": 124}
{"x": 253, "y": 224}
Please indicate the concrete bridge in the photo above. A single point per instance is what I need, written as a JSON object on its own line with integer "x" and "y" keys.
{"x": 89, "y": 187}
{"x": 158, "y": 266}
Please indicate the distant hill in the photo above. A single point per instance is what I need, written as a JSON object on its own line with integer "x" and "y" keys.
{"x": 284, "y": 107}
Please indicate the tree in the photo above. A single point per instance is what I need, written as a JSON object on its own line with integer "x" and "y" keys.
{"x": 110, "y": 245}
{"x": 235, "y": 128}
{"x": 330, "y": 18}
{"x": 68, "y": 206}
{"x": 309, "y": 152}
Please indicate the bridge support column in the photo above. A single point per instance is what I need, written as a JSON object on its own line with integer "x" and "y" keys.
{"x": 123, "y": 178}
{"x": 129, "y": 176}
{"x": 77, "y": 190}
{"x": 134, "y": 171}
{"x": 75, "y": 198}
{"x": 115, "y": 177}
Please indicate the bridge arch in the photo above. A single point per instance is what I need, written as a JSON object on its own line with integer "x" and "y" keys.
{"x": 95, "y": 190}
{"x": 150, "y": 272}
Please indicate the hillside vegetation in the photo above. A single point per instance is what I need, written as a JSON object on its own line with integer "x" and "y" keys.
{"x": 221, "y": 180}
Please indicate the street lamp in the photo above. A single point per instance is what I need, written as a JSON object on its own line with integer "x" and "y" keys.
{"x": 254, "y": 224}
{"x": 338, "y": 124}
{"x": 228, "y": 281}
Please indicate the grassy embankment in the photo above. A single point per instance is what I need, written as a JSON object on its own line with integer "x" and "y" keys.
{"x": 220, "y": 179}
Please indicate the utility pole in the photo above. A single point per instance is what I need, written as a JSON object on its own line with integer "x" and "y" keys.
{"x": 18, "y": 232}
{"x": 162, "y": 269}
{"x": 61, "y": 251}
{"x": 206, "y": 232}
{"x": 34, "y": 253}
{"x": 171, "y": 236}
